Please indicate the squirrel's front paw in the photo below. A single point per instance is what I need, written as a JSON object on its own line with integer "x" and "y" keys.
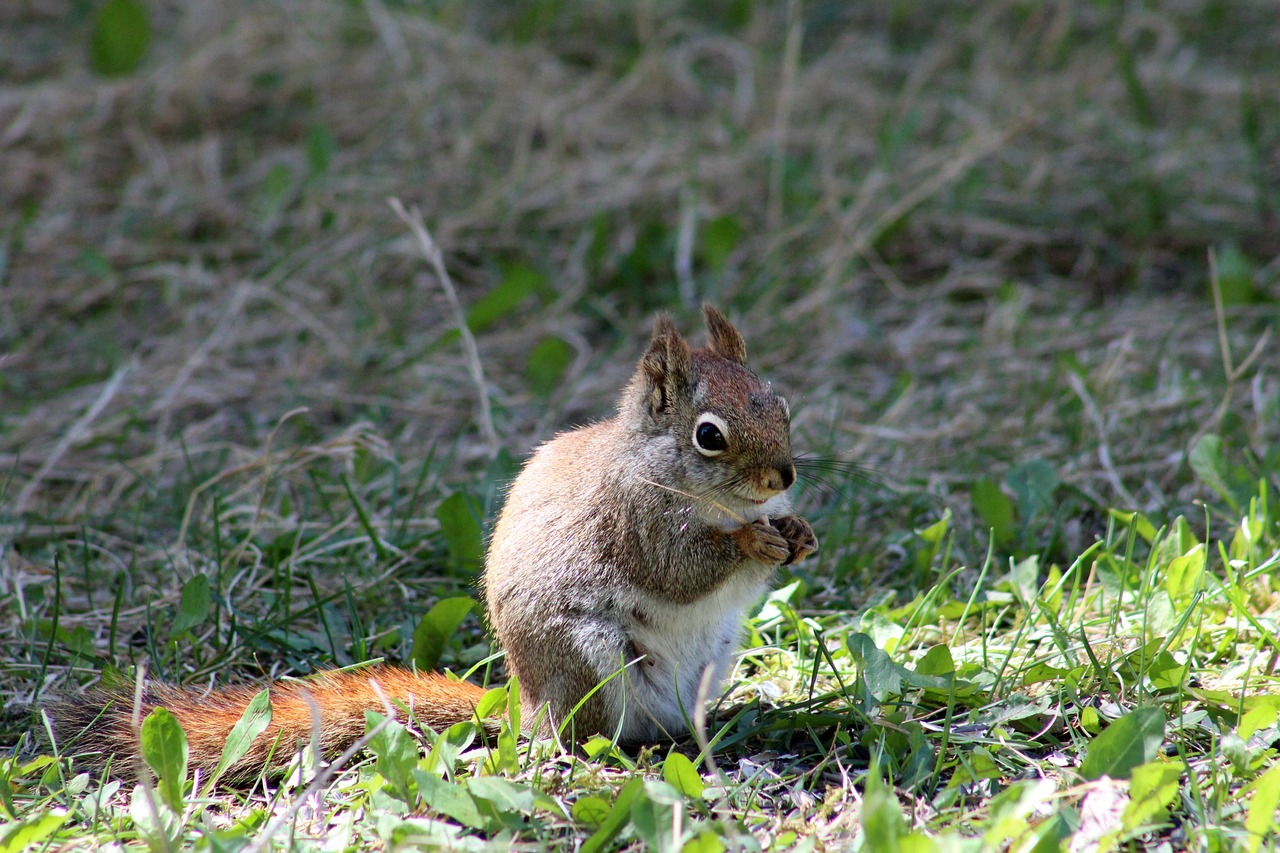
{"x": 760, "y": 542}
{"x": 799, "y": 535}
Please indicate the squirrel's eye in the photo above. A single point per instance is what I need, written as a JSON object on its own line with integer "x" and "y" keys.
{"x": 709, "y": 435}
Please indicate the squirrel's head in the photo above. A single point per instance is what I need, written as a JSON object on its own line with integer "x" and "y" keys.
{"x": 731, "y": 433}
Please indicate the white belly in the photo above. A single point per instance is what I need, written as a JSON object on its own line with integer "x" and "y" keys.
{"x": 680, "y": 643}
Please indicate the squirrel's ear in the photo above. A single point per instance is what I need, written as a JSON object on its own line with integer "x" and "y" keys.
{"x": 726, "y": 340}
{"x": 665, "y": 365}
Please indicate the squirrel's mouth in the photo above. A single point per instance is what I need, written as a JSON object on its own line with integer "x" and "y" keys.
{"x": 752, "y": 501}
{"x": 749, "y": 499}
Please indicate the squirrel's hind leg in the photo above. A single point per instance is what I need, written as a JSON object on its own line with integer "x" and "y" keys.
{"x": 572, "y": 681}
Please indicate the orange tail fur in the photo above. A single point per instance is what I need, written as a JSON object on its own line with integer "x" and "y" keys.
{"x": 102, "y": 726}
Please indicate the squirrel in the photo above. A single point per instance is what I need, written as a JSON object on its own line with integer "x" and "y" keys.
{"x": 616, "y": 579}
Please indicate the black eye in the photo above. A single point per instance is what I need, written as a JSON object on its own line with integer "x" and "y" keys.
{"x": 709, "y": 438}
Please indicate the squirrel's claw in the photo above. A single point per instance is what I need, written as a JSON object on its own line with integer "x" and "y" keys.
{"x": 801, "y": 541}
{"x": 762, "y": 543}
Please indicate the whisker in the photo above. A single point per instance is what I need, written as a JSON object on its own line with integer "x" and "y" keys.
{"x": 704, "y": 499}
{"x": 830, "y": 476}
{"x": 824, "y": 488}
{"x": 812, "y": 466}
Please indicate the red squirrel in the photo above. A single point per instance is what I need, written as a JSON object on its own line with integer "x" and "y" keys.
{"x": 627, "y": 553}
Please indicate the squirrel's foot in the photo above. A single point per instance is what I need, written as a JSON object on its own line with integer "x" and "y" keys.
{"x": 799, "y": 535}
{"x": 761, "y": 542}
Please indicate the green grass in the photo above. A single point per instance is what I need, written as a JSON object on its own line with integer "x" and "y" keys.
{"x": 239, "y": 435}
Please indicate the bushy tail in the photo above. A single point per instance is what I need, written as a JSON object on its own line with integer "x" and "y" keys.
{"x": 101, "y": 726}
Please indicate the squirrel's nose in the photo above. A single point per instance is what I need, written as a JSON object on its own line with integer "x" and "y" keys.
{"x": 780, "y": 479}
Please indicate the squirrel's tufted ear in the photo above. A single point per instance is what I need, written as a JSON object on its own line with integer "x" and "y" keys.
{"x": 726, "y": 340}
{"x": 665, "y": 365}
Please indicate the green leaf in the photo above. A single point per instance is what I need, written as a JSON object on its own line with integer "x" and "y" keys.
{"x": 163, "y": 744}
{"x": 720, "y": 237}
{"x": 513, "y": 706}
{"x": 121, "y": 34}
{"x": 276, "y": 185}
{"x": 436, "y": 627}
{"x": 937, "y": 661}
{"x": 1137, "y": 521}
{"x": 8, "y": 769}
{"x": 546, "y": 364}
{"x": 709, "y": 842}
{"x": 195, "y": 604}
{"x": 1165, "y": 672}
{"x": 1259, "y": 717}
{"x": 96, "y": 264}
{"x": 1209, "y": 465}
{"x": 935, "y": 533}
{"x": 1034, "y": 482}
{"x": 1262, "y": 807}
{"x": 1182, "y": 579}
{"x": 493, "y": 702}
{"x": 450, "y": 799}
{"x": 1233, "y": 747}
{"x": 253, "y": 722}
{"x": 233, "y": 840}
{"x": 460, "y": 526}
{"x": 519, "y": 282}
{"x": 447, "y": 748}
{"x": 28, "y": 834}
{"x": 591, "y": 810}
{"x": 320, "y": 150}
{"x": 781, "y": 601}
{"x": 1132, "y": 740}
{"x": 1024, "y": 579}
{"x": 157, "y": 824}
{"x": 882, "y": 676}
{"x": 1089, "y": 719}
{"x": 980, "y": 765}
{"x": 921, "y": 759}
{"x": 1152, "y": 788}
{"x": 655, "y": 812}
{"x": 1041, "y": 672}
{"x": 1011, "y": 811}
{"x": 1235, "y": 276}
{"x": 617, "y": 817}
{"x": 882, "y": 819}
{"x": 933, "y": 536}
{"x": 419, "y": 833}
{"x": 1179, "y": 539}
{"x": 680, "y": 773}
{"x": 1047, "y": 836}
{"x": 505, "y": 803}
{"x": 994, "y": 508}
{"x": 396, "y": 755}
{"x": 505, "y": 756}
